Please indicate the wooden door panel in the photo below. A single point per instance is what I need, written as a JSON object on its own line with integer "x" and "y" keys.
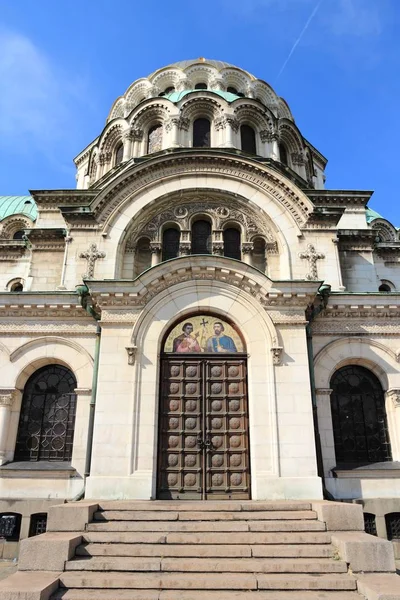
{"x": 203, "y": 437}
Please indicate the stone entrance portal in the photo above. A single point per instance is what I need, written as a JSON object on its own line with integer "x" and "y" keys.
{"x": 203, "y": 426}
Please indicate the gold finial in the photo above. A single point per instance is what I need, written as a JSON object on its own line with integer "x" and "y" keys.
{"x": 202, "y": 59}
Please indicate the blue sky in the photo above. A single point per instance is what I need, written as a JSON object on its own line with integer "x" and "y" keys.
{"x": 63, "y": 63}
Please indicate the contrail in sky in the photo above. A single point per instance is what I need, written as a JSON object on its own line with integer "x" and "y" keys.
{"x": 297, "y": 42}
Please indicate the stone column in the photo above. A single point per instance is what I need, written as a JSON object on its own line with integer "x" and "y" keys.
{"x": 341, "y": 287}
{"x": 247, "y": 252}
{"x": 7, "y": 396}
{"x": 232, "y": 127}
{"x": 392, "y": 404}
{"x": 155, "y": 248}
{"x": 323, "y": 397}
{"x": 127, "y": 146}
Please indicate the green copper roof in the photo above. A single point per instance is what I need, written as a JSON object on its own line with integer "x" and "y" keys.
{"x": 17, "y": 205}
{"x": 177, "y": 96}
{"x": 372, "y": 215}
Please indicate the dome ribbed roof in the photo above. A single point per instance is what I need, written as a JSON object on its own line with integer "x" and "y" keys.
{"x": 17, "y": 205}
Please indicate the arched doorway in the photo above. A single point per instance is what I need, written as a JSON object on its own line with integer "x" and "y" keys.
{"x": 203, "y": 419}
{"x": 359, "y": 417}
{"x": 47, "y": 419}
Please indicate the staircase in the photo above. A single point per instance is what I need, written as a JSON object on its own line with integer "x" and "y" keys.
{"x": 206, "y": 551}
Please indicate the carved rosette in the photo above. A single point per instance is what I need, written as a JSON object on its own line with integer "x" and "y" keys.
{"x": 394, "y": 396}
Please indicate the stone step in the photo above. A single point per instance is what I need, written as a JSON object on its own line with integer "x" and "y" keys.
{"x": 206, "y": 581}
{"x": 136, "y": 515}
{"x": 227, "y": 526}
{"x": 203, "y": 506}
{"x": 118, "y": 594}
{"x": 271, "y": 551}
{"x": 207, "y": 565}
{"x": 211, "y": 538}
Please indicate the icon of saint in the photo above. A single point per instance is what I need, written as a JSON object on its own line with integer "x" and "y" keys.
{"x": 219, "y": 342}
{"x": 186, "y": 342}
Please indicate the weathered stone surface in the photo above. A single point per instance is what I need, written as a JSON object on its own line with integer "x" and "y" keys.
{"x": 380, "y": 586}
{"x": 114, "y": 563}
{"x": 177, "y": 550}
{"x": 365, "y": 552}
{"x": 286, "y": 526}
{"x": 47, "y": 552}
{"x": 254, "y": 565}
{"x": 70, "y": 517}
{"x": 340, "y": 516}
{"x": 248, "y": 515}
{"x": 29, "y": 585}
{"x": 305, "y": 582}
{"x": 248, "y": 537}
{"x": 101, "y": 537}
{"x": 136, "y": 515}
{"x": 169, "y": 526}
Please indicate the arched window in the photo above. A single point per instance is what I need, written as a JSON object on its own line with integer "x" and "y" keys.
{"x": 200, "y": 86}
{"x": 119, "y": 154}
{"x": 38, "y": 524}
{"x": 359, "y": 417}
{"x": 142, "y": 256}
{"x": 283, "y": 154}
{"x": 201, "y": 133}
{"x": 154, "y": 139}
{"x": 168, "y": 90}
{"x": 231, "y": 90}
{"x": 393, "y": 526}
{"x": 170, "y": 243}
{"x": 17, "y": 287}
{"x": 259, "y": 258}
{"x": 384, "y": 287}
{"x": 47, "y": 419}
{"x": 18, "y": 235}
{"x": 248, "y": 139}
{"x": 232, "y": 243}
{"x": 201, "y": 237}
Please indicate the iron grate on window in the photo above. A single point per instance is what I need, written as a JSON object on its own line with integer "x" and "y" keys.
{"x": 370, "y": 523}
{"x": 38, "y": 524}
{"x": 393, "y": 526}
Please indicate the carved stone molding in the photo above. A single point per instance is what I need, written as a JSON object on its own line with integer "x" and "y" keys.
{"x": 155, "y": 247}
{"x": 131, "y": 350}
{"x": 323, "y": 391}
{"x": 394, "y": 396}
{"x": 83, "y": 391}
{"x": 247, "y": 247}
{"x": 352, "y": 325}
{"x": 119, "y": 316}
{"x": 280, "y": 317}
{"x": 218, "y": 248}
{"x": 7, "y": 396}
{"x": 277, "y": 352}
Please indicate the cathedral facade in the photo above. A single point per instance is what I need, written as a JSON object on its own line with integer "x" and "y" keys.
{"x": 200, "y": 318}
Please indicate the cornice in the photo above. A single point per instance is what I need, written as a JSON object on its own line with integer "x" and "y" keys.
{"x": 55, "y": 198}
{"x": 11, "y": 249}
{"x": 40, "y": 305}
{"x": 339, "y": 198}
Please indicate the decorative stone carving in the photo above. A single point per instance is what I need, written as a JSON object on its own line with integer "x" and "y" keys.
{"x": 218, "y": 248}
{"x": 137, "y": 134}
{"x": 247, "y": 247}
{"x": 131, "y": 350}
{"x": 91, "y": 255}
{"x": 394, "y": 396}
{"x": 277, "y": 355}
{"x": 268, "y": 136}
{"x": 312, "y": 256}
{"x": 7, "y": 396}
{"x": 323, "y": 391}
{"x": 298, "y": 158}
{"x": 155, "y": 247}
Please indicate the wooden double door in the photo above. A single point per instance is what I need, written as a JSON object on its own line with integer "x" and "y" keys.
{"x": 203, "y": 447}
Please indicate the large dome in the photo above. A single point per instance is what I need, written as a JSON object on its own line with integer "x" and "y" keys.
{"x": 184, "y": 64}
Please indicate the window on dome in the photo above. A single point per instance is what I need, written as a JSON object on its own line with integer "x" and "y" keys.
{"x": 259, "y": 255}
{"x": 232, "y": 90}
{"x": 168, "y": 90}
{"x": 119, "y": 154}
{"x": 19, "y": 235}
{"x": 154, "y": 140}
{"x": 201, "y": 237}
{"x": 142, "y": 256}
{"x": 384, "y": 287}
{"x": 248, "y": 139}
{"x": 170, "y": 243}
{"x": 17, "y": 287}
{"x": 232, "y": 243}
{"x": 283, "y": 154}
{"x": 201, "y": 133}
{"x": 200, "y": 86}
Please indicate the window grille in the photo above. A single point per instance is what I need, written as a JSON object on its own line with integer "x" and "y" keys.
{"x": 370, "y": 523}
{"x": 393, "y": 526}
{"x": 38, "y": 524}
{"x": 10, "y": 526}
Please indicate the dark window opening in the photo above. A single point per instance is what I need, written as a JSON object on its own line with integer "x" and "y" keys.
{"x": 38, "y": 524}
{"x": 232, "y": 243}
{"x": 168, "y": 90}
{"x": 119, "y": 154}
{"x": 47, "y": 419}
{"x": 248, "y": 139}
{"x": 370, "y": 523}
{"x": 154, "y": 139}
{"x": 359, "y": 419}
{"x": 200, "y": 86}
{"x": 17, "y": 287}
{"x": 384, "y": 288}
{"x": 232, "y": 90}
{"x": 259, "y": 259}
{"x": 10, "y": 526}
{"x": 283, "y": 154}
{"x": 19, "y": 235}
{"x": 201, "y": 237}
{"x": 393, "y": 526}
{"x": 170, "y": 244}
{"x": 201, "y": 133}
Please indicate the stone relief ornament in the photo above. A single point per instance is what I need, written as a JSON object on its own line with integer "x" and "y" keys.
{"x": 312, "y": 256}
{"x": 91, "y": 255}
{"x": 277, "y": 355}
{"x": 394, "y": 396}
{"x": 131, "y": 351}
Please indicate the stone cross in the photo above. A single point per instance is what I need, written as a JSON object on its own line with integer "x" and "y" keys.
{"x": 91, "y": 255}
{"x": 312, "y": 256}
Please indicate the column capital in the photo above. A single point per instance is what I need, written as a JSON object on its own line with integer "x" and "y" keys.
{"x": 323, "y": 391}
{"x": 7, "y": 396}
{"x": 394, "y": 396}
